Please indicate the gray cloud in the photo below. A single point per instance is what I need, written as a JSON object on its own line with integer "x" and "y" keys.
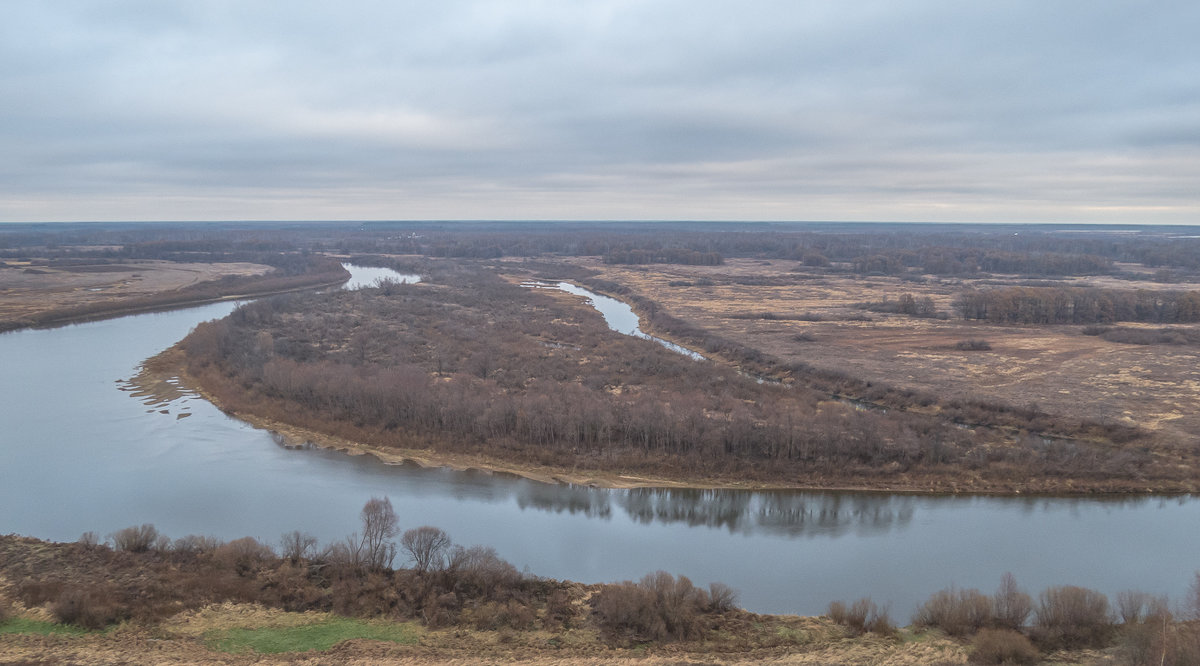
{"x": 1074, "y": 111}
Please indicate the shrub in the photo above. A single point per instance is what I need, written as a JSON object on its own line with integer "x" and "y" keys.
{"x": 804, "y": 336}
{"x": 1072, "y": 616}
{"x": 657, "y": 607}
{"x": 297, "y": 546}
{"x": 1132, "y": 605}
{"x": 721, "y": 597}
{"x": 837, "y": 612}
{"x": 956, "y": 612}
{"x": 137, "y": 539}
{"x": 89, "y": 540}
{"x": 627, "y": 611}
{"x": 560, "y": 612}
{"x": 862, "y": 616}
{"x": 195, "y": 544}
{"x": 1192, "y": 601}
{"x": 92, "y": 607}
{"x": 1011, "y": 606}
{"x": 479, "y": 572}
{"x": 973, "y": 344}
{"x": 243, "y": 555}
{"x": 1002, "y": 646}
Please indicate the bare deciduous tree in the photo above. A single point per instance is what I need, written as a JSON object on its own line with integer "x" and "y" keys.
{"x": 297, "y": 546}
{"x": 427, "y": 547}
{"x": 380, "y": 527}
{"x": 1011, "y": 605}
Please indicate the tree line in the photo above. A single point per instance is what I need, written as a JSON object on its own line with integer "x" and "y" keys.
{"x": 1079, "y": 305}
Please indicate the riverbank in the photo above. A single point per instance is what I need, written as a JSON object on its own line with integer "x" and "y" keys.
{"x": 206, "y": 601}
{"x": 41, "y": 298}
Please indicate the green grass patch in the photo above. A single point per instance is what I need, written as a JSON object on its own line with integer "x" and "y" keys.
{"x": 319, "y": 636}
{"x": 797, "y": 636}
{"x": 20, "y": 625}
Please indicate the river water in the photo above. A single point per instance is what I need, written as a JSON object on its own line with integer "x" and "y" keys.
{"x": 78, "y": 453}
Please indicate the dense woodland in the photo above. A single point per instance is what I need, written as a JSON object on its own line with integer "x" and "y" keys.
{"x": 473, "y": 363}
{"x": 1075, "y": 305}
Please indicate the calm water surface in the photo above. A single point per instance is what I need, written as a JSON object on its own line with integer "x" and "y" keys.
{"x": 79, "y": 453}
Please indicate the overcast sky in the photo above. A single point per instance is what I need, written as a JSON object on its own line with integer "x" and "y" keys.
{"x": 1036, "y": 111}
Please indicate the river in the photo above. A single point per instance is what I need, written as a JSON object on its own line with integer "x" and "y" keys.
{"x": 79, "y": 453}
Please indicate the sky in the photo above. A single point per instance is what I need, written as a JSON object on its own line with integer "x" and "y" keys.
{"x": 1040, "y": 111}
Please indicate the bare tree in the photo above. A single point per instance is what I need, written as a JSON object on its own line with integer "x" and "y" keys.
{"x": 1011, "y": 605}
{"x": 427, "y": 547}
{"x": 297, "y": 546}
{"x": 380, "y": 527}
{"x": 1192, "y": 603}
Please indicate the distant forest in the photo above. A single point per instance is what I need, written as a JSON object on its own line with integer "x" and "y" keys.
{"x": 883, "y": 249}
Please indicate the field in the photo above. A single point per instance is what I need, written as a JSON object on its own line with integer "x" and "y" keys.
{"x": 29, "y": 290}
{"x": 813, "y": 319}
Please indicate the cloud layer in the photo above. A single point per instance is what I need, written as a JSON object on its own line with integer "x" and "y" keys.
{"x": 773, "y": 110}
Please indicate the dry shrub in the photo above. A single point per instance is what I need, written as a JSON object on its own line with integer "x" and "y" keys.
{"x": 479, "y": 572}
{"x": 1132, "y": 605}
{"x": 862, "y": 616}
{"x": 721, "y": 597}
{"x": 297, "y": 546}
{"x": 195, "y": 544}
{"x": 244, "y": 555}
{"x": 837, "y": 612}
{"x": 1159, "y": 640}
{"x": 89, "y": 540}
{"x": 493, "y": 616}
{"x": 92, "y": 607}
{"x": 973, "y": 344}
{"x": 560, "y": 611}
{"x": 1002, "y": 646}
{"x": 956, "y": 612}
{"x": 1011, "y": 606}
{"x": 34, "y": 593}
{"x": 627, "y": 611}
{"x": 441, "y": 610}
{"x": 1191, "y": 603}
{"x": 135, "y": 539}
{"x": 372, "y": 595}
{"x": 659, "y": 606}
{"x": 290, "y": 588}
{"x": 1070, "y": 616}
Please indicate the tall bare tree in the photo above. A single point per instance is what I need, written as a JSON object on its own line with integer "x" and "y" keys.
{"x": 380, "y": 527}
{"x": 427, "y": 547}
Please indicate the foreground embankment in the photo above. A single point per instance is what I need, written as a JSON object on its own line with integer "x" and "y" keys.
{"x": 142, "y": 597}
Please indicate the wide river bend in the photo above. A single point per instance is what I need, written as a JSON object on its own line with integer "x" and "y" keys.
{"x": 79, "y": 453}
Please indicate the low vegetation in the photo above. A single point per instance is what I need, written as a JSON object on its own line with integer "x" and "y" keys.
{"x": 303, "y": 638}
{"x": 453, "y": 597}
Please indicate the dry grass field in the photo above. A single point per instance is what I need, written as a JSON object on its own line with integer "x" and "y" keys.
{"x": 1058, "y": 369}
{"x": 30, "y": 290}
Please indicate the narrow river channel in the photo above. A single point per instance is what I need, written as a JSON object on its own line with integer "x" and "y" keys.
{"x": 79, "y": 453}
